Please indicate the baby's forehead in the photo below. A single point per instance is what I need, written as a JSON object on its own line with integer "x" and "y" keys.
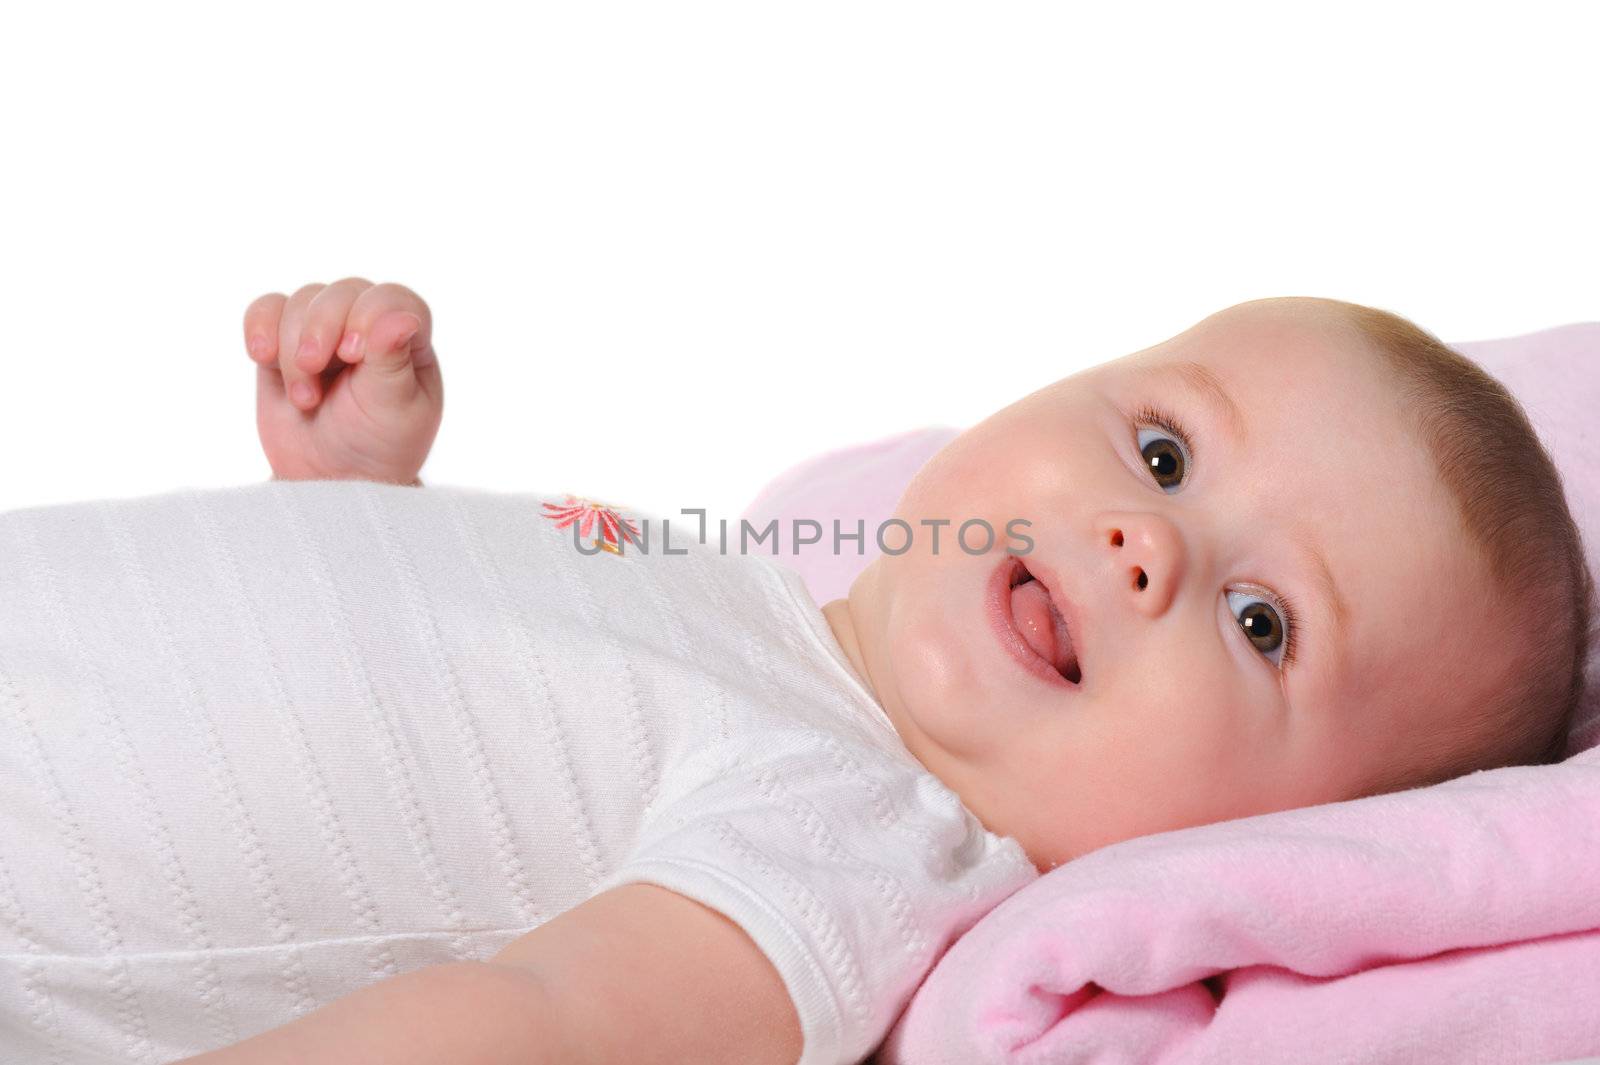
{"x": 1307, "y": 312}
{"x": 1303, "y": 331}
{"x": 1275, "y": 362}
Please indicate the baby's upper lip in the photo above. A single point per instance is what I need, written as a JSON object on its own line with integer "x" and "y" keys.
{"x": 1064, "y": 606}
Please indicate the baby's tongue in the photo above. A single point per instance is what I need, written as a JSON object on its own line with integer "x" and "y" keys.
{"x": 1030, "y": 606}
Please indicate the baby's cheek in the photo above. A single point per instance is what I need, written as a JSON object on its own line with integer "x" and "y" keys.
{"x": 931, "y": 661}
{"x": 1173, "y": 733}
{"x": 960, "y": 471}
{"x": 936, "y": 678}
{"x": 929, "y": 494}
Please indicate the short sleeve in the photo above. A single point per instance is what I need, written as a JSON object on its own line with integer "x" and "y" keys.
{"x": 850, "y": 869}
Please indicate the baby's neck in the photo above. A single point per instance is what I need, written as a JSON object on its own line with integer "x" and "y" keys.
{"x": 837, "y": 613}
{"x": 856, "y": 636}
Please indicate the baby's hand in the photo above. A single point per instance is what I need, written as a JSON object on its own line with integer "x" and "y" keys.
{"x": 365, "y": 354}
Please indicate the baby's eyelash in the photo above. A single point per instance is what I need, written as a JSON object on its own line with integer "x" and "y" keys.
{"x": 1168, "y": 423}
{"x": 1293, "y": 639}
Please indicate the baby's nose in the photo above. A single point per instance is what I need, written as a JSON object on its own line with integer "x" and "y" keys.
{"x": 1147, "y": 557}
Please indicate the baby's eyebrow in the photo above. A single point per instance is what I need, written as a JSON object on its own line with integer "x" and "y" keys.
{"x": 1337, "y": 642}
{"x": 1204, "y": 384}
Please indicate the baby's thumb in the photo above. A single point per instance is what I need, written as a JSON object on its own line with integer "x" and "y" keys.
{"x": 389, "y": 356}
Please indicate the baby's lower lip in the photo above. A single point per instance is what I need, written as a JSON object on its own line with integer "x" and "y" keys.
{"x": 998, "y": 607}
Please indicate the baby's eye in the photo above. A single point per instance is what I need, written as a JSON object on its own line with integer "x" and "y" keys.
{"x": 1262, "y": 624}
{"x": 1165, "y": 455}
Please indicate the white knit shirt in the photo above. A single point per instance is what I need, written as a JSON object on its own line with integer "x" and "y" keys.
{"x": 262, "y": 746}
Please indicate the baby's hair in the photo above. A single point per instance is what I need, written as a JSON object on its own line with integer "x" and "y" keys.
{"x": 1512, "y": 505}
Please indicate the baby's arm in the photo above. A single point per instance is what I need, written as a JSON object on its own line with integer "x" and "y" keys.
{"x": 640, "y": 974}
{"x": 635, "y": 975}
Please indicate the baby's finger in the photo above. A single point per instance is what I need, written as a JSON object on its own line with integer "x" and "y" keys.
{"x": 324, "y": 323}
{"x": 304, "y": 388}
{"x": 261, "y": 327}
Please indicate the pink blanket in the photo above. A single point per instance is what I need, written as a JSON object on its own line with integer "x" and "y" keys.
{"x": 1458, "y": 923}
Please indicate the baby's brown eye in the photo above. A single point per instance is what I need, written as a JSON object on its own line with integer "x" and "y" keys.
{"x": 1267, "y": 625}
{"x": 1261, "y": 624}
{"x": 1164, "y": 458}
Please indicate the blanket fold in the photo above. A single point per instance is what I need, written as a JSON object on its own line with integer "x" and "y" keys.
{"x": 1454, "y": 923}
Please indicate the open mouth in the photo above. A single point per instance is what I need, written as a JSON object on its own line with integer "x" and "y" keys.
{"x": 1030, "y": 626}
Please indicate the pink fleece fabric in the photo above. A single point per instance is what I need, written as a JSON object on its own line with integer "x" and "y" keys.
{"x": 853, "y": 484}
{"x": 1459, "y": 922}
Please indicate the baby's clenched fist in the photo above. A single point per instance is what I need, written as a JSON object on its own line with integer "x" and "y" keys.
{"x": 347, "y": 381}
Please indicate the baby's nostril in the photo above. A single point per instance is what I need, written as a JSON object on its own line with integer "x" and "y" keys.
{"x": 1116, "y": 538}
{"x": 1143, "y": 580}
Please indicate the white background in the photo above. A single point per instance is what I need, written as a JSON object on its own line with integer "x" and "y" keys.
{"x": 673, "y": 248}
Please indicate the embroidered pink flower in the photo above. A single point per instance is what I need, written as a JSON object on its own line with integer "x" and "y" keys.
{"x": 588, "y": 513}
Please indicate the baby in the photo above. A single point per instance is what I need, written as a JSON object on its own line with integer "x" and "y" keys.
{"x": 1303, "y": 553}
{"x": 1298, "y": 554}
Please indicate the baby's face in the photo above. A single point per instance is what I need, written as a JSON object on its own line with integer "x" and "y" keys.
{"x": 1175, "y": 561}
